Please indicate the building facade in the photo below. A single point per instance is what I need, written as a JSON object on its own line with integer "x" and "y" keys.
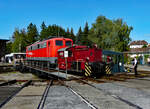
{"x": 138, "y": 44}
{"x": 140, "y": 49}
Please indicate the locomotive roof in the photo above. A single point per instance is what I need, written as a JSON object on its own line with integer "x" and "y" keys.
{"x": 54, "y": 38}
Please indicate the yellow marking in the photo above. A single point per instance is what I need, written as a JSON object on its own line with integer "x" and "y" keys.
{"x": 107, "y": 66}
{"x": 108, "y": 73}
{"x": 86, "y": 63}
{"x": 87, "y": 66}
{"x": 107, "y": 70}
{"x": 90, "y": 67}
{"x": 86, "y": 74}
{"x": 87, "y": 71}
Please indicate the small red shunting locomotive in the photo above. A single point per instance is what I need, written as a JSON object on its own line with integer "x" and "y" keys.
{"x": 77, "y": 58}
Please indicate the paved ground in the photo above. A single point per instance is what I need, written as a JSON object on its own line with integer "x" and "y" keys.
{"x": 60, "y": 97}
{"x": 98, "y": 98}
{"x": 17, "y": 75}
{"x": 134, "y": 91}
{"x": 6, "y": 92}
{"x": 28, "y": 98}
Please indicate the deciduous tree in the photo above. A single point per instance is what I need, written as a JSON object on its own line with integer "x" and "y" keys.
{"x": 110, "y": 34}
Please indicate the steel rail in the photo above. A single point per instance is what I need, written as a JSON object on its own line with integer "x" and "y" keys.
{"x": 83, "y": 99}
{"x": 13, "y": 94}
{"x": 44, "y": 96}
{"x": 8, "y": 83}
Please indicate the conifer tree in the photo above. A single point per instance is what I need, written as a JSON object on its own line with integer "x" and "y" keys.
{"x": 84, "y": 38}
{"x": 78, "y": 37}
{"x": 32, "y": 33}
{"x": 67, "y": 33}
{"x": 44, "y": 31}
{"x": 72, "y": 36}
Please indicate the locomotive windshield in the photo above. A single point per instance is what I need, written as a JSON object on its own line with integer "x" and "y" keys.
{"x": 68, "y": 43}
{"x": 59, "y": 43}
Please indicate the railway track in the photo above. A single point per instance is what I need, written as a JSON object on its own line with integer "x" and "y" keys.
{"x": 106, "y": 79}
{"x": 8, "y": 91}
{"x": 56, "y": 84}
{"x": 79, "y": 95}
{"x": 110, "y": 94}
{"x": 8, "y": 83}
{"x": 44, "y": 96}
{"x": 88, "y": 81}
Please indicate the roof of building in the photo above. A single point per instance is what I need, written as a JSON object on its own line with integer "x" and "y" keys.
{"x": 138, "y": 50}
{"x": 139, "y": 42}
{"x": 4, "y": 40}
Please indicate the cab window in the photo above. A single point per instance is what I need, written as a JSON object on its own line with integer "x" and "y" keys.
{"x": 68, "y": 43}
{"x": 59, "y": 43}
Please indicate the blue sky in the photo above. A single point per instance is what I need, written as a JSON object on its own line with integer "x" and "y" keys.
{"x": 74, "y": 13}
